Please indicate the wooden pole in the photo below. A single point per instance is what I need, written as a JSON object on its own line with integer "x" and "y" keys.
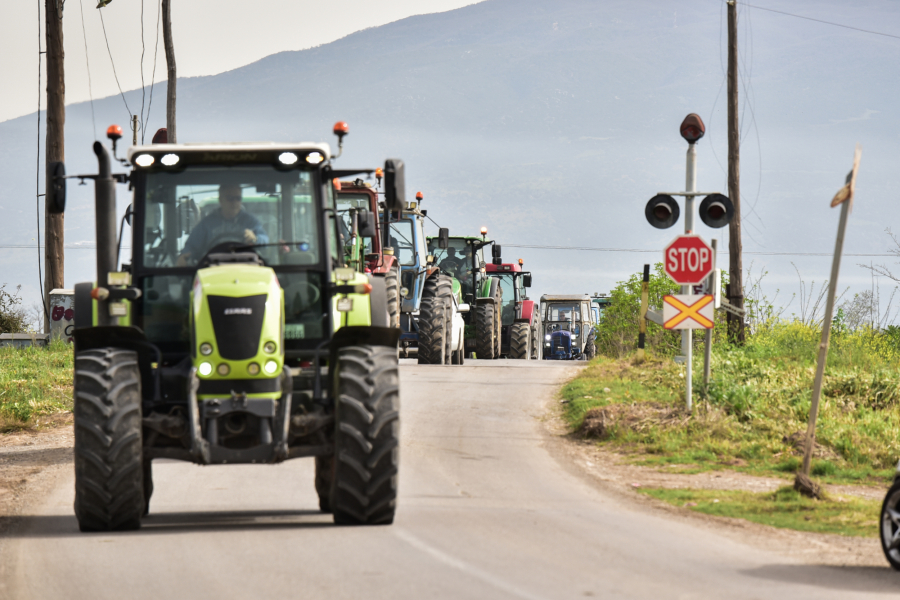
{"x": 645, "y": 305}
{"x": 845, "y": 198}
{"x": 55, "y": 151}
{"x": 170, "y": 63}
{"x": 735, "y": 270}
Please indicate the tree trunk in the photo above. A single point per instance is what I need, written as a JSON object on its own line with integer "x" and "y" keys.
{"x": 54, "y": 235}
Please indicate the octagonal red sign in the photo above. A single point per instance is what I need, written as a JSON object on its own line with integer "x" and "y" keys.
{"x": 688, "y": 260}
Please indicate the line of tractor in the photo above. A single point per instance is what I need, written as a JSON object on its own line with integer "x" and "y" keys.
{"x": 448, "y": 301}
{"x": 262, "y": 315}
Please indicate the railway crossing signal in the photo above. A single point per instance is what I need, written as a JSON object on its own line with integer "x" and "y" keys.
{"x": 689, "y": 260}
{"x": 688, "y": 311}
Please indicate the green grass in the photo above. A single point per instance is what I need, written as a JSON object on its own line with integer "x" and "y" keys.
{"x": 34, "y": 382}
{"x": 783, "y": 508}
{"x": 758, "y": 395}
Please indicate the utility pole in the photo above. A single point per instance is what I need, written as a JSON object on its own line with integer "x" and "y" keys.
{"x": 170, "y": 63}
{"x": 735, "y": 271}
{"x": 54, "y": 235}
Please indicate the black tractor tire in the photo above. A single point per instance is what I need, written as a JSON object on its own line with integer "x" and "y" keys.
{"x": 498, "y": 317}
{"x": 109, "y": 466}
{"x": 890, "y": 526}
{"x": 433, "y": 321}
{"x": 485, "y": 330}
{"x": 448, "y": 339}
{"x": 590, "y": 348}
{"x": 520, "y": 341}
{"x": 367, "y": 436}
{"x": 537, "y": 341}
{"x": 324, "y": 481}
{"x": 392, "y": 286}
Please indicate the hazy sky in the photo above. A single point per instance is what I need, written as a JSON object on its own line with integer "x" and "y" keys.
{"x": 211, "y": 36}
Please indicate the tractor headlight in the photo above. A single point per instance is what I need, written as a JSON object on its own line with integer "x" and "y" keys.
{"x": 223, "y": 369}
{"x": 169, "y": 160}
{"x": 547, "y": 337}
{"x": 144, "y": 160}
{"x": 253, "y": 369}
{"x": 270, "y": 347}
{"x": 287, "y": 158}
{"x": 206, "y": 349}
{"x": 404, "y": 292}
{"x": 205, "y": 369}
{"x": 271, "y": 367}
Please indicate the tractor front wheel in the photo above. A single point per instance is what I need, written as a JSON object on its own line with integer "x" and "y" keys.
{"x": 110, "y": 472}
{"x": 367, "y": 436}
{"x": 520, "y": 341}
{"x": 433, "y": 321}
{"x": 590, "y": 348}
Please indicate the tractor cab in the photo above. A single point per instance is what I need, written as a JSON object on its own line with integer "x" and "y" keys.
{"x": 515, "y": 308}
{"x": 599, "y": 303}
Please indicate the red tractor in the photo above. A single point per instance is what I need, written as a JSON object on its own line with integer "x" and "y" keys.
{"x": 360, "y": 231}
{"x": 520, "y": 318}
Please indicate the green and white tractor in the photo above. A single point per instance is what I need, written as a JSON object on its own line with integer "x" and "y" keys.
{"x": 233, "y": 334}
{"x": 463, "y": 257}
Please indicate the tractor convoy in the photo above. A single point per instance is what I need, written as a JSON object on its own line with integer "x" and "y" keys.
{"x": 261, "y": 317}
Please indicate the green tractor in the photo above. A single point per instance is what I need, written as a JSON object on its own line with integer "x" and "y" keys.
{"x": 463, "y": 258}
{"x": 233, "y": 335}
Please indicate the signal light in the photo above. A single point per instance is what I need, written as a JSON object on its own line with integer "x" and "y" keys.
{"x": 521, "y": 262}
{"x": 379, "y": 174}
{"x": 484, "y": 231}
{"x": 692, "y": 128}
{"x": 337, "y": 184}
{"x": 114, "y": 132}
{"x": 341, "y": 129}
{"x": 662, "y": 211}
{"x": 716, "y": 211}
{"x": 419, "y": 197}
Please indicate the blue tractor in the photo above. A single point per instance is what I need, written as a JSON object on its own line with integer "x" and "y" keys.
{"x": 569, "y": 325}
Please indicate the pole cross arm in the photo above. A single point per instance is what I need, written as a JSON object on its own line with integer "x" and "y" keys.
{"x": 728, "y": 307}
{"x": 654, "y": 316}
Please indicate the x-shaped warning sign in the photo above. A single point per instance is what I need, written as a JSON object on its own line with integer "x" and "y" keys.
{"x": 688, "y": 312}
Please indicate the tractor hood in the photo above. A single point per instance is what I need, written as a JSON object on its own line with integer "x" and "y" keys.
{"x": 236, "y": 322}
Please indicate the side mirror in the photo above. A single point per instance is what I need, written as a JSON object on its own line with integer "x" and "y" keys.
{"x": 463, "y": 308}
{"x": 526, "y": 279}
{"x": 496, "y": 253}
{"x": 394, "y": 185}
{"x": 366, "y": 223}
{"x": 443, "y": 238}
{"x": 129, "y": 213}
{"x": 56, "y": 188}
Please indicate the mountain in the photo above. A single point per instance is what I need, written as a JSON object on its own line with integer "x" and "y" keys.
{"x": 552, "y": 123}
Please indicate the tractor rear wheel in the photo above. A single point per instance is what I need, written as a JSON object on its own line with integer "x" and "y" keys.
{"x": 498, "y": 318}
{"x": 324, "y": 481}
{"x": 109, "y": 466}
{"x": 367, "y": 436}
{"x": 485, "y": 330}
{"x": 392, "y": 285}
{"x": 520, "y": 341}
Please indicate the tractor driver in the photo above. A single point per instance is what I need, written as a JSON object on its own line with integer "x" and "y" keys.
{"x": 452, "y": 263}
{"x": 231, "y": 223}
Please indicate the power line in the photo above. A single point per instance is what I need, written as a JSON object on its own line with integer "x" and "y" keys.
{"x": 88, "y": 61}
{"x": 821, "y": 21}
{"x": 121, "y": 93}
{"x": 37, "y": 174}
{"x": 640, "y": 250}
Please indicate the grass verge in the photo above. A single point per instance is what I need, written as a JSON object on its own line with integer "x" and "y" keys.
{"x": 784, "y": 508}
{"x": 34, "y": 382}
{"x": 753, "y": 416}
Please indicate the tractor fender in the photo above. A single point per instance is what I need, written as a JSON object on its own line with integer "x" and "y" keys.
{"x": 354, "y": 335}
{"x": 493, "y": 293}
{"x": 385, "y": 263}
{"x": 526, "y": 312}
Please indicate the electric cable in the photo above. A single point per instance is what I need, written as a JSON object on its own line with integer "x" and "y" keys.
{"x": 153, "y": 76}
{"x": 639, "y": 250}
{"x": 88, "y": 62}
{"x": 37, "y": 174}
{"x": 821, "y": 21}
{"x": 112, "y": 62}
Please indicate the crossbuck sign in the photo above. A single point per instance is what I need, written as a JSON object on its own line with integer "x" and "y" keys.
{"x": 688, "y": 312}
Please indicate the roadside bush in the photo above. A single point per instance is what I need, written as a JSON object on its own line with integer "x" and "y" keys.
{"x": 617, "y": 332}
{"x": 12, "y": 316}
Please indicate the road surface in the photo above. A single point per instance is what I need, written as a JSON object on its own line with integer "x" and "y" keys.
{"x": 486, "y": 511}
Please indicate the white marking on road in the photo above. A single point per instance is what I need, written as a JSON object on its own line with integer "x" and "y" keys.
{"x": 464, "y": 566}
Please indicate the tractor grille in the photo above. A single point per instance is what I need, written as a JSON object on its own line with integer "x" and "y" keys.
{"x": 237, "y": 323}
{"x": 561, "y": 344}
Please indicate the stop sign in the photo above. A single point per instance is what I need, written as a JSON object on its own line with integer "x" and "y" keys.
{"x": 688, "y": 260}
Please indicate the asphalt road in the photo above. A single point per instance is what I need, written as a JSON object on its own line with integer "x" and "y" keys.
{"x": 487, "y": 510}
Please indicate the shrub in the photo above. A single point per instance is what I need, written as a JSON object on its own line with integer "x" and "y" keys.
{"x": 12, "y": 316}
